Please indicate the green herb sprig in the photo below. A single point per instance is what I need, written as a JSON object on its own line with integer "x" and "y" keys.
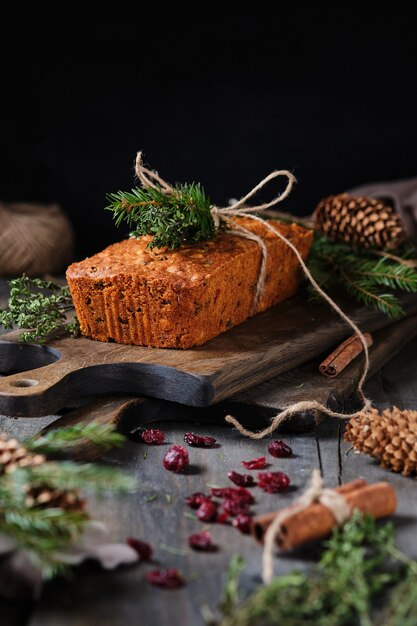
{"x": 65, "y": 439}
{"x": 173, "y": 219}
{"x": 359, "y": 562}
{"x": 40, "y": 307}
{"x": 42, "y": 531}
{"x": 370, "y": 279}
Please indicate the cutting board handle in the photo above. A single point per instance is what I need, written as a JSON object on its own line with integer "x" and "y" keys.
{"x": 34, "y": 385}
{"x": 45, "y": 390}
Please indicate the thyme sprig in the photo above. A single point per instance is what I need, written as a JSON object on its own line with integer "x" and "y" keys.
{"x": 358, "y": 565}
{"x": 40, "y": 307}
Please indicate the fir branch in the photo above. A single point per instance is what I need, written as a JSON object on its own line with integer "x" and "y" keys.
{"x": 39, "y": 306}
{"x": 43, "y": 532}
{"x": 366, "y": 292}
{"x": 182, "y": 217}
{"x": 372, "y": 281}
{"x": 392, "y": 275}
{"x": 68, "y": 475}
{"x": 62, "y": 439}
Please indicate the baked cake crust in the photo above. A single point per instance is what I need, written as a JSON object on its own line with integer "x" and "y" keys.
{"x": 182, "y": 298}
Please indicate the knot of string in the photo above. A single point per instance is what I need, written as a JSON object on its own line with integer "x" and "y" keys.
{"x": 315, "y": 492}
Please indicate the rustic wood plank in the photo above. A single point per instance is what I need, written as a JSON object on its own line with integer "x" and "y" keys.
{"x": 120, "y": 597}
{"x": 42, "y": 380}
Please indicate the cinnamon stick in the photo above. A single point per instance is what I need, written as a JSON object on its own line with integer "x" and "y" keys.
{"x": 261, "y": 522}
{"x": 317, "y": 521}
{"x": 343, "y": 355}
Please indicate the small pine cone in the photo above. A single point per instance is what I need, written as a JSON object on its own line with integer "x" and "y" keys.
{"x": 44, "y": 496}
{"x": 13, "y": 456}
{"x": 356, "y": 220}
{"x": 390, "y": 437}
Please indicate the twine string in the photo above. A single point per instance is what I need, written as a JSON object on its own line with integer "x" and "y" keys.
{"x": 315, "y": 492}
{"x": 150, "y": 178}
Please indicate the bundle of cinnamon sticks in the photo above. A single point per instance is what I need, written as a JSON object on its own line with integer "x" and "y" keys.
{"x": 316, "y": 521}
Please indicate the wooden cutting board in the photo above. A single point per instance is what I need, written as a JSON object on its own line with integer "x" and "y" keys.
{"x": 42, "y": 380}
{"x": 253, "y": 407}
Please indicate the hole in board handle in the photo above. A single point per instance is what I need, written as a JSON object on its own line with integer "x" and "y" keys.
{"x": 25, "y": 382}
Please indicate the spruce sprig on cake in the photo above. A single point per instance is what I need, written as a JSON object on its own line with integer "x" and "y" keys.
{"x": 183, "y": 216}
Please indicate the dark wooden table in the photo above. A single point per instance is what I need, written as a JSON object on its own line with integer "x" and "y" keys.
{"x": 157, "y": 514}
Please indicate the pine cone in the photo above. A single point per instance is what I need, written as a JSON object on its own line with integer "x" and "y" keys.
{"x": 390, "y": 437}
{"x": 46, "y": 497}
{"x": 366, "y": 222}
{"x": 14, "y": 456}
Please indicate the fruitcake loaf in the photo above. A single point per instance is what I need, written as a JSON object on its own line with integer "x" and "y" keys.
{"x": 182, "y": 298}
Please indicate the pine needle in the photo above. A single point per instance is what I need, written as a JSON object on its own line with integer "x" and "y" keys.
{"x": 62, "y": 439}
{"x": 69, "y": 475}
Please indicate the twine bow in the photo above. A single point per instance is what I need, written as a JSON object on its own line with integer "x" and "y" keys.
{"x": 150, "y": 178}
{"x": 315, "y": 492}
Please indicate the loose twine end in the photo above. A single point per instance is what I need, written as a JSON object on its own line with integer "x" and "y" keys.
{"x": 150, "y": 178}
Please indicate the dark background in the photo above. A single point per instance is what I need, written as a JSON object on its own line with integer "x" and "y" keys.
{"x": 222, "y": 99}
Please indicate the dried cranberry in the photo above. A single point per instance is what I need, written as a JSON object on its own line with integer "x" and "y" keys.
{"x": 201, "y": 541}
{"x": 243, "y": 480}
{"x": 279, "y": 449}
{"x": 176, "y": 459}
{"x": 272, "y": 482}
{"x": 254, "y": 464}
{"x": 153, "y": 437}
{"x": 196, "y": 499}
{"x": 233, "y": 493}
{"x": 167, "y": 578}
{"x": 199, "y": 442}
{"x": 220, "y": 492}
{"x": 222, "y": 518}
{"x": 243, "y": 523}
{"x": 242, "y": 494}
{"x": 207, "y": 511}
{"x": 143, "y": 549}
{"x": 235, "y": 507}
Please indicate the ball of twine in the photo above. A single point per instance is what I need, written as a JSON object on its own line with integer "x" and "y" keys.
{"x": 34, "y": 239}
